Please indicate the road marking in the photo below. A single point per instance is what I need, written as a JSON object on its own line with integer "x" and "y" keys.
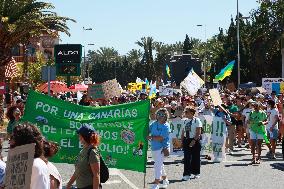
{"x": 112, "y": 182}
{"x": 123, "y": 177}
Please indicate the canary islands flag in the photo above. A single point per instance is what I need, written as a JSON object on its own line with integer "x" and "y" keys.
{"x": 227, "y": 71}
{"x": 168, "y": 71}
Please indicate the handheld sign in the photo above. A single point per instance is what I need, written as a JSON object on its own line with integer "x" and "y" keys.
{"x": 19, "y": 167}
{"x": 215, "y": 96}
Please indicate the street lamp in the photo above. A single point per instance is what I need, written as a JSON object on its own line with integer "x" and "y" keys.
{"x": 204, "y": 63}
{"x": 88, "y": 68}
{"x": 238, "y": 40}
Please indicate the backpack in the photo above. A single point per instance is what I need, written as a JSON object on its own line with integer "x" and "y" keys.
{"x": 104, "y": 172}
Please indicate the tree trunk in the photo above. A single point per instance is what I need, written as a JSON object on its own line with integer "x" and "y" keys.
{"x": 2, "y": 79}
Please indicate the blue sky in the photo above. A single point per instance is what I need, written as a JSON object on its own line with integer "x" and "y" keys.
{"x": 120, "y": 23}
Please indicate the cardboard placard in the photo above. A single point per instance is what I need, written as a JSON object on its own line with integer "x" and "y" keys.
{"x": 261, "y": 90}
{"x": 19, "y": 167}
{"x": 215, "y": 96}
{"x": 96, "y": 91}
{"x": 104, "y": 90}
{"x": 166, "y": 91}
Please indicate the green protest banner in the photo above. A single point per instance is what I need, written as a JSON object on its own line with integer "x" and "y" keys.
{"x": 123, "y": 129}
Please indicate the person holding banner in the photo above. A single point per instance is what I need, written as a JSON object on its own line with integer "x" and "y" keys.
{"x": 159, "y": 134}
{"x": 190, "y": 137}
{"x": 87, "y": 167}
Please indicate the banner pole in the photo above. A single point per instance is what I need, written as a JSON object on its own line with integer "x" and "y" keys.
{"x": 145, "y": 179}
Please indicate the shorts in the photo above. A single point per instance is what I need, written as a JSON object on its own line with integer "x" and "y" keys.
{"x": 255, "y": 136}
{"x": 273, "y": 135}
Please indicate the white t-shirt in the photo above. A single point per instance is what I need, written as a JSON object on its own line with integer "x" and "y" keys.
{"x": 191, "y": 125}
{"x": 40, "y": 175}
{"x": 246, "y": 113}
{"x": 55, "y": 173}
{"x": 271, "y": 114}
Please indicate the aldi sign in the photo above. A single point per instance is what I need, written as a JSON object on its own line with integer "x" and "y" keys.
{"x": 68, "y": 59}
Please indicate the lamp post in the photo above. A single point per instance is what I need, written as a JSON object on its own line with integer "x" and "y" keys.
{"x": 88, "y": 67}
{"x": 238, "y": 40}
{"x": 204, "y": 63}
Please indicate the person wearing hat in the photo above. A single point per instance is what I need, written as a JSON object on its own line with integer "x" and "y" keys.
{"x": 87, "y": 167}
{"x": 257, "y": 121}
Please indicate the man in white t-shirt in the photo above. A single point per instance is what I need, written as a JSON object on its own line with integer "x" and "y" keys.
{"x": 272, "y": 127}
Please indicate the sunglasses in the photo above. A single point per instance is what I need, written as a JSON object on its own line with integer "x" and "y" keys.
{"x": 161, "y": 114}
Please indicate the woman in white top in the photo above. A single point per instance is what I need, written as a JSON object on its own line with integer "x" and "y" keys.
{"x": 190, "y": 137}
{"x": 50, "y": 149}
{"x": 26, "y": 134}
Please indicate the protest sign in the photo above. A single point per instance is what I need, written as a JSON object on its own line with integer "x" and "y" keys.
{"x": 206, "y": 142}
{"x": 19, "y": 167}
{"x": 273, "y": 84}
{"x": 96, "y": 91}
{"x": 176, "y": 134}
{"x": 261, "y": 89}
{"x": 215, "y": 96}
{"x": 166, "y": 91}
{"x": 218, "y": 137}
{"x": 104, "y": 90}
{"x": 123, "y": 129}
{"x": 213, "y": 137}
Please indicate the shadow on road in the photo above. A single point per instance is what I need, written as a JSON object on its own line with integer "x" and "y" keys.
{"x": 176, "y": 181}
{"x": 278, "y": 166}
{"x": 238, "y": 165}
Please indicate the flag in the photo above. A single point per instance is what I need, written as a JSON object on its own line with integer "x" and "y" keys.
{"x": 147, "y": 83}
{"x": 11, "y": 69}
{"x": 168, "y": 71}
{"x": 227, "y": 71}
{"x": 153, "y": 90}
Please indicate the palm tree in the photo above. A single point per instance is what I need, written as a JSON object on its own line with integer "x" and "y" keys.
{"x": 147, "y": 43}
{"x": 21, "y": 21}
{"x": 107, "y": 54}
{"x": 134, "y": 56}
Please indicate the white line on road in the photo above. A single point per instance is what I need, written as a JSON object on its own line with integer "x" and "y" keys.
{"x": 123, "y": 177}
{"x": 113, "y": 182}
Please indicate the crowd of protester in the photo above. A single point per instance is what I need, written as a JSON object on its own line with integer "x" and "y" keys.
{"x": 247, "y": 115}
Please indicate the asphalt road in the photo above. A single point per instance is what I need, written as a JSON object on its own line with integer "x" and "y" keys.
{"x": 234, "y": 173}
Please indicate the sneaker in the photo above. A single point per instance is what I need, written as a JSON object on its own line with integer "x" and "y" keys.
{"x": 186, "y": 178}
{"x": 192, "y": 176}
{"x": 273, "y": 156}
{"x": 197, "y": 176}
{"x": 165, "y": 184}
{"x": 155, "y": 186}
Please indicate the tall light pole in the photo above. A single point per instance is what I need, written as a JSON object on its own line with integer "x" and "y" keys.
{"x": 88, "y": 67}
{"x": 238, "y": 40}
{"x": 204, "y": 63}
